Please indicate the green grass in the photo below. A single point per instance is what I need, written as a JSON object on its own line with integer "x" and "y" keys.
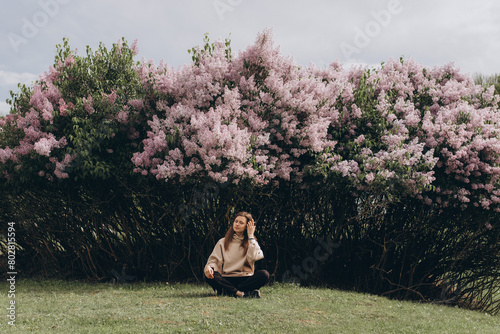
{"x": 74, "y": 307}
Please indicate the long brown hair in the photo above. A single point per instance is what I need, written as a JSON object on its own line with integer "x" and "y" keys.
{"x": 230, "y": 232}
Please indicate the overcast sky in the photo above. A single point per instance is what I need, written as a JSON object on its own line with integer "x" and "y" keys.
{"x": 433, "y": 32}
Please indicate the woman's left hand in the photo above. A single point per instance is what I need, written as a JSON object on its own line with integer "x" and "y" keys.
{"x": 251, "y": 228}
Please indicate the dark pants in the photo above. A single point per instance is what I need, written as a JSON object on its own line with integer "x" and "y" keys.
{"x": 230, "y": 285}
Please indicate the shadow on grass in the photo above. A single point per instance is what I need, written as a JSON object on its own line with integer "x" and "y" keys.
{"x": 201, "y": 293}
{"x": 193, "y": 294}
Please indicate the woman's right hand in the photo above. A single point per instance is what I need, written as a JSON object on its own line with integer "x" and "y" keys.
{"x": 209, "y": 272}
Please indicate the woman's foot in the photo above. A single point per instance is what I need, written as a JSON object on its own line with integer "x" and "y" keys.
{"x": 253, "y": 294}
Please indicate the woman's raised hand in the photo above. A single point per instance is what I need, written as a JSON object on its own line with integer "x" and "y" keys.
{"x": 251, "y": 228}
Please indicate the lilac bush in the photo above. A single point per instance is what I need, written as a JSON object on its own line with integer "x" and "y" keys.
{"x": 71, "y": 121}
{"x": 403, "y": 129}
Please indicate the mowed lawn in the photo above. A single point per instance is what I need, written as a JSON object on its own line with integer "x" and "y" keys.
{"x": 74, "y": 307}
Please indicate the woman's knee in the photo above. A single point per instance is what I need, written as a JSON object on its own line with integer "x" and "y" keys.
{"x": 262, "y": 274}
{"x": 216, "y": 277}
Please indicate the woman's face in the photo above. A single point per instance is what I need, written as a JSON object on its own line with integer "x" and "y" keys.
{"x": 240, "y": 224}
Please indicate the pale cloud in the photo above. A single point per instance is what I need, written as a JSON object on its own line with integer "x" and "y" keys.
{"x": 4, "y": 108}
{"x": 13, "y": 78}
{"x": 9, "y": 81}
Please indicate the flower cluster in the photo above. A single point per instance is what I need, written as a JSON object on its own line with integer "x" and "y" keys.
{"x": 33, "y": 127}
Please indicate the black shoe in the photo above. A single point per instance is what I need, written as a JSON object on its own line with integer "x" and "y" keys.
{"x": 252, "y": 294}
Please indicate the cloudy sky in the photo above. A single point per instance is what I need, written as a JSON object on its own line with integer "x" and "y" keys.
{"x": 433, "y": 32}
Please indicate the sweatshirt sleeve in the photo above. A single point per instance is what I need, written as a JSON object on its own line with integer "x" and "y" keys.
{"x": 215, "y": 259}
{"x": 254, "y": 252}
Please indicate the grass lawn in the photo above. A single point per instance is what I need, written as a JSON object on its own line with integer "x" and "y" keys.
{"x": 75, "y": 307}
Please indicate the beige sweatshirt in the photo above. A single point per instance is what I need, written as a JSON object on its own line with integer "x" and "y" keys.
{"x": 234, "y": 262}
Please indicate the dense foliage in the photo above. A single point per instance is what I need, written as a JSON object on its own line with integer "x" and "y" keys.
{"x": 105, "y": 161}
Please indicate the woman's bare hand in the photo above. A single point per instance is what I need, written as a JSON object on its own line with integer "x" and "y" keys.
{"x": 209, "y": 272}
{"x": 251, "y": 228}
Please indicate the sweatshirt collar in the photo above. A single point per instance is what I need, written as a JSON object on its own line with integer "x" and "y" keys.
{"x": 236, "y": 237}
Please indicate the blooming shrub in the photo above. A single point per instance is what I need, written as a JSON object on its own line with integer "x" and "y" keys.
{"x": 74, "y": 118}
{"x": 402, "y": 129}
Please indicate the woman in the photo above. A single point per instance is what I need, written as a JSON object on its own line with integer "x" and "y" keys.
{"x": 230, "y": 267}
